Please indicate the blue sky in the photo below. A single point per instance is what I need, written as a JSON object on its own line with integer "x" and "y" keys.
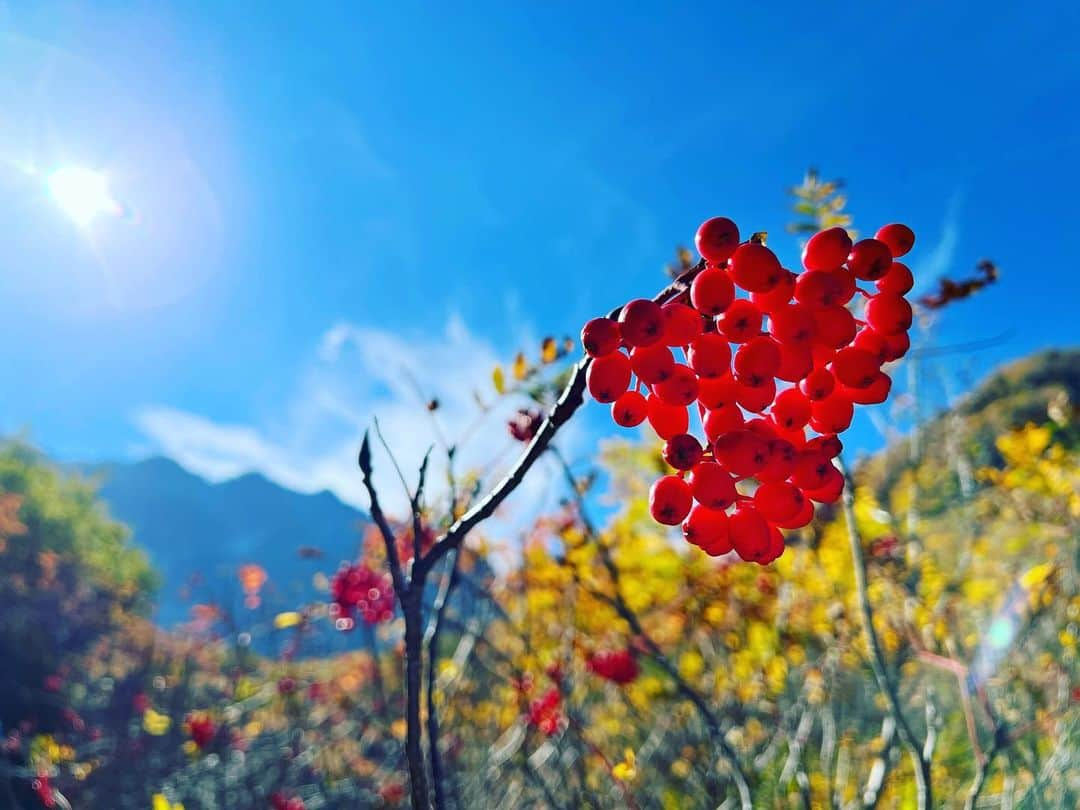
{"x": 319, "y": 197}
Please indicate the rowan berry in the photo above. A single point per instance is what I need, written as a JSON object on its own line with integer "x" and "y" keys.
{"x": 669, "y": 500}
{"x": 608, "y": 377}
{"x": 641, "y": 323}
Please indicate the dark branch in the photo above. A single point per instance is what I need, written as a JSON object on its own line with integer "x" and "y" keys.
{"x": 377, "y": 515}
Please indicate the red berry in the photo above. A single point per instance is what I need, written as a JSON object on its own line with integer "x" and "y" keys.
{"x": 717, "y": 392}
{"x": 755, "y": 268}
{"x": 716, "y": 239}
{"x": 712, "y": 486}
{"x": 709, "y": 356}
{"x": 629, "y": 410}
{"x": 652, "y": 364}
{"x": 742, "y": 452}
{"x": 855, "y": 368}
{"x": 762, "y": 427}
{"x": 818, "y": 384}
{"x": 876, "y": 392}
{"x": 836, "y": 326}
{"x": 641, "y": 323}
{"x": 712, "y": 292}
{"x": 600, "y": 336}
{"x": 832, "y": 414}
{"x": 708, "y": 529}
{"x": 888, "y": 313}
{"x": 793, "y": 323}
{"x": 898, "y": 238}
{"x": 666, "y": 420}
{"x": 680, "y": 388}
{"x": 776, "y": 546}
{"x": 791, "y": 409}
{"x": 755, "y": 395}
{"x": 830, "y": 445}
{"x": 749, "y": 533}
{"x": 778, "y": 500}
{"x": 795, "y": 362}
{"x": 896, "y": 346}
{"x": 719, "y": 421}
{"x": 757, "y": 359}
{"x": 826, "y": 250}
{"x": 869, "y": 259}
{"x": 812, "y": 470}
{"x": 740, "y": 322}
{"x": 681, "y": 323}
{"x": 682, "y": 452}
{"x": 800, "y": 518}
{"x": 780, "y": 461}
{"x": 820, "y": 288}
{"x": 669, "y": 500}
{"x": 898, "y": 280}
{"x": 829, "y": 491}
{"x": 873, "y": 342}
{"x": 778, "y": 296}
{"x": 608, "y": 377}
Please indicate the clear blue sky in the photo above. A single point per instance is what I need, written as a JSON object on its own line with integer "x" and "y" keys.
{"x": 313, "y": 190}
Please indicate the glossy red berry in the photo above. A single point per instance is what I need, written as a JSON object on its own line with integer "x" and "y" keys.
{"x": 757, "y": 359}
{"x": 799, "y": 519}
{"x": 682, "y": 452}
{"x": 708, "y": 529}
{"x": 818, "y": 384}
{"x": 600, "y": 337}
{"x": 888, "y": 313}
{"x": 667, "y": 420}
{"x": 680, "y": 387}
{"x": 709, "y": 356}
{"x": 832, "y": 414}
{"x": 778, "y": 500}
{"x": 793, "y": 323}
{"x": 742, "y": 452}
{"x": 740, "y": 322}
{"x": 830, "y": 490}
{"x": 827, "y": 250}
{"x": 755, "y": 268}
{"x": 819, "y": 288}
{"x": 755, "y": 395}
{"x": 712, "y": 291}
{"x": 898, "y": 280}
{"x": 717, "y": 392}
{"x": 669, "y": 500}
{"x": 829, "y": 444}
{"x": 780, "y": 461}
{"x": 641, "y": 323}
{"x": 869, "y": 259}
{"x": 748, "y": 532}
{"x": 716, "y": 239}
{"x": 796, "y": 361}
{"x": 608, "y": 377}
{"x": 791, "y": 409}
{"x": 895, "y": 346}
{"x": 652, "y": 364}
{"x": 812, "y": 470}
{"x": 712, "y": 485}
{"x": 681, "y": 323}
{"x": 629, "y": 410}
{"x": 898, "y": 238}
{"x": 836, "y": 326}
{"x": 874, "y": 393}
{"x": 779, "y": 296}
{"x": 855, "y": 367}
{"x": 721, "y": 420}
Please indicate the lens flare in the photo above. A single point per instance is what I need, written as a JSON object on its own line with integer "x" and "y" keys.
{"x": 82, "y": 194}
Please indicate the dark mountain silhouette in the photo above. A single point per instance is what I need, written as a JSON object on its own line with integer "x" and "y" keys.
{"x": 198, "y": 533}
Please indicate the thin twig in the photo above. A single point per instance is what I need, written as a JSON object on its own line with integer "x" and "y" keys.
{"x": 877, "y": 656}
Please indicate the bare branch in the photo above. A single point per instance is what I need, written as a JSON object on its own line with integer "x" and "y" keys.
{"x": 377, "y": 515}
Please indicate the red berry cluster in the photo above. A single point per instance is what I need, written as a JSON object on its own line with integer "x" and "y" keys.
{"x": 795, "y": 329}
{"x": 357, "y": 588}
{"x": 202, "y": 729}
{"x": 545, "y": 712}
{"x": 617, "y": 666}
{"x": 280, "y": 801}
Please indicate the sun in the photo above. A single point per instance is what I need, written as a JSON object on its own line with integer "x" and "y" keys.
{"x": 82, "y": 194}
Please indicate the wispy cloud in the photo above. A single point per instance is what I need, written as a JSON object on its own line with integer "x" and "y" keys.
{"x": 938, "y": 260}
{"x": 358, "y": 373}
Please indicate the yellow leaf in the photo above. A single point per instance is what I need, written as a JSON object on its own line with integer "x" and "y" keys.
{"x": 156, "y": 723}
{"x": 1037, "y": 575}
{"x": 549, "y": 350}
{"x": 288, "y": 619}
{"x": 499, "y": 380}
{"x": 521, "y": 366}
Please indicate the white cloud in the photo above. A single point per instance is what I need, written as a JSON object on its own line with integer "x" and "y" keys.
{"x": 938, "y": 260}
{"x": 359, "y": 373}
